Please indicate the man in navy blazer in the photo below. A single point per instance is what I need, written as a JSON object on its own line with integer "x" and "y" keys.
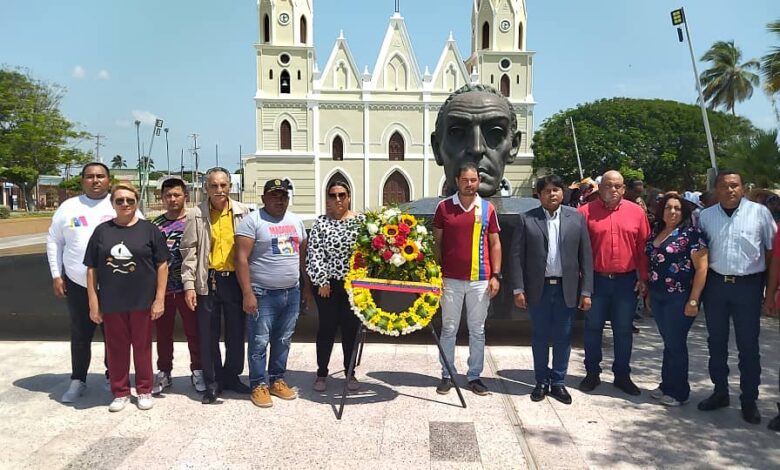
{"x": 552, "y": 268}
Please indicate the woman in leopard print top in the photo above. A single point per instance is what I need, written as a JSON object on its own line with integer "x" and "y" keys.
{"x": 327, "y": 263}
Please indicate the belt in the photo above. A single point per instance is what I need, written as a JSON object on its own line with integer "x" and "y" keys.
{"x": 553, "y": 281}
{"x": 214, "y": 272}
{"x": 734, "y": 279}
{"x": 615, "y": 275}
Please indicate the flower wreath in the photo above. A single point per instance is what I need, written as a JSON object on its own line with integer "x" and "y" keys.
{"x": 393, "y": 252}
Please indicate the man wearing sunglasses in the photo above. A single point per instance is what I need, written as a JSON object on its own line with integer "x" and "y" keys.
{"x": 210, "y": 284}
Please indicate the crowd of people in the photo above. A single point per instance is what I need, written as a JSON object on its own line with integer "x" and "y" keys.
{"x": 220, "y": 263}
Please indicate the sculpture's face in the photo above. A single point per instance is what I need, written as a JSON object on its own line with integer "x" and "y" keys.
{"x": 476, "y": 127}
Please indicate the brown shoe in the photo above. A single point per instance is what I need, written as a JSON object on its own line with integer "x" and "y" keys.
{"x": 261, "y": 397}
{"x": 280, "y": 389}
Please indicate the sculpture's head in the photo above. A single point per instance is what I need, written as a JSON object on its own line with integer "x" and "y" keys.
{"x": 476, "y": 124}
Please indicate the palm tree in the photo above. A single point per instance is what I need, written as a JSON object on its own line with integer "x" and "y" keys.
{"x": 756, "y": 157}
{"x": 770, "y": 68}
{"x": 118, "y": 162}
{"x": 728, "y": 81}
{"x": 147, "y": 163}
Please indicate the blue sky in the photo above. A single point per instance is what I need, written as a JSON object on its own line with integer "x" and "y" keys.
{"x": 192, "y": 62}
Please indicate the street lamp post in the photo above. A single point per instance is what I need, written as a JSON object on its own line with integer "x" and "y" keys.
{"x": 678, "y": 19}
{"x": 138, "y": 141}
{"x": 167, "y": 154}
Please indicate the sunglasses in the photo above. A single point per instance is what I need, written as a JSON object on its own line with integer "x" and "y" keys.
{"x": 121, "y": 201}
{"x": 338, "y": 196}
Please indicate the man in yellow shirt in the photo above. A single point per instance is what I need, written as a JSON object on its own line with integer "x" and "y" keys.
{"x": 210, "y": 284}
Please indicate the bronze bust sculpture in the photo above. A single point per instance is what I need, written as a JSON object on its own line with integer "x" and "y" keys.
{"x": 478, "y": 124}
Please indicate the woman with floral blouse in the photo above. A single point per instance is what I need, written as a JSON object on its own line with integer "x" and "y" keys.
{"x": 678, "y": 270}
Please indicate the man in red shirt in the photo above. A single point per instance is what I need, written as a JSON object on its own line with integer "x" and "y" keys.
{"x": 466, "y": 229}
{"x": 618, "y": 232}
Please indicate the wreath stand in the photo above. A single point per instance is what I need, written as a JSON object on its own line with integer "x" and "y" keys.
{"x": 357, "y": 355}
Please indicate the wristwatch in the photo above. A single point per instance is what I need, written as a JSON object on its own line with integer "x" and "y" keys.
{"x": 498, "y": 276}
{"x": 693, "y": 303}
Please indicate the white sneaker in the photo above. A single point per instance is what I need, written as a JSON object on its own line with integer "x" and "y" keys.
{"x": 657, "y": 394}
{"x": 74, "y": 392}
{"x": 161, "y": 381}
{"x": 145, "y": 401}
{"x": 197, "y": 381}
{"x": 666, "y": 400}
{"x": 118, "y": 404}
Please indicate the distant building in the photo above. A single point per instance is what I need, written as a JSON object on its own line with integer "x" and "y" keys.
{"x": 373, "y": 129}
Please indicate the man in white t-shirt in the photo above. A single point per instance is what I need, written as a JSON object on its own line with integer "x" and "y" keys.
{"x": 270, "y": 249}
{"x": 71, "y": 227}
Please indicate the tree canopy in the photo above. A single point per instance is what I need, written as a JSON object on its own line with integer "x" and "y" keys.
{"x": 664, "y": 140}
{"x": 34, "y": 135}
{"x": 756, "y": 157}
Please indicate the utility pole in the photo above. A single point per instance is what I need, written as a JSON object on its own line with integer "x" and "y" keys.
{"x": 570, "y": 123}
{"x": 240, "y": 170}
{"x": 216, "y": 151}
{"x": 181, "y": 171}
{"x": 195, "y": 174}
{"x": 167, "y": 153}
{"x": 97, "y": 147}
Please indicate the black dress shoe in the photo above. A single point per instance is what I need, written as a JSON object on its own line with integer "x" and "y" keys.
{"x": 209, "y": 397}
{"x": 624, "y": 383}
{"x": 560, "y": 393}
{"x": 238, "y": 387}
{"x": 750, "y": 413}
{"x": 590, "y": 382}
{"x": 713, "y": 402}
{"x": 539, "y": 391}
{"x": 774, "y": 425}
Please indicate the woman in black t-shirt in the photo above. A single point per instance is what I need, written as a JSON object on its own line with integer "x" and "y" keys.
{"x": 126, "y": 278}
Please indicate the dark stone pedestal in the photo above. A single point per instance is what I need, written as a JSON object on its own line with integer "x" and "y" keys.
{"x": 502, "y": 306}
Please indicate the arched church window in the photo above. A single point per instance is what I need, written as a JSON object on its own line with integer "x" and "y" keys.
{"x": 396, "y": 190}
{"x": 337, "y": 148}
{"x": 285, "y": 135}
{"x": 486, "y": 35}
{"x": 396, "y": 147}
{"x": 284, "y": 82}
{"x": 266, "y": 29}
{"x": 304, "y": 31}
{"x": 505, "y": 85}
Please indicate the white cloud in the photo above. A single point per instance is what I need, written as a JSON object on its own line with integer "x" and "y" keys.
{"x": 78, "y": 72}
{"x": 122, "y": 123}
{"x": 103, "y": 75}
{"x": 146, "y": 117}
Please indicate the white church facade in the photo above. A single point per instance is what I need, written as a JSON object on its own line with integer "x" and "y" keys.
{"x": 372, "y": 128}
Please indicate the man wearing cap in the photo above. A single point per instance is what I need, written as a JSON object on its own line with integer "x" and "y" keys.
{"x": 270, "y": 249}
{"x": 210, "y": 284}
{"x": 171, "y": 224}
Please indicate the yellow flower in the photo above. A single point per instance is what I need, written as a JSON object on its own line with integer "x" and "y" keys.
{"x": 409, "y": 220}
{"x": 390, "y": 230}
{"x": 410, "y": 251}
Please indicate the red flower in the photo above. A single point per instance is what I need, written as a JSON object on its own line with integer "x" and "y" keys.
{"x": 400, "y": 241}
{"x": 386, "y": 255}
{"x": 420, "y": 256}
{"x": 378, "y": 242}
{"x": 359, "y": 261}
{"x": 403, "y": 229}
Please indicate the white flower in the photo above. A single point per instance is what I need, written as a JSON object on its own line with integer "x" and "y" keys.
{"x": 397, "y": 260}
{"x": 421, "y": 229}
{"x": 372, "y": 228}
{"x": 419, "y": 245}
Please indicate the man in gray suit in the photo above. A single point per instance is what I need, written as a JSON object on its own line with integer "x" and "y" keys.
{"x": 552, "y": 268}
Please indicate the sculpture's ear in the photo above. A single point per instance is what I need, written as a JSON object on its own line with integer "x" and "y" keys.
{"x": 435, "y": 145}
{"x": 516, "y": 140}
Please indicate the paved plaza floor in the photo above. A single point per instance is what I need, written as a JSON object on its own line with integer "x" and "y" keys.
{"x": 396, "y": 420}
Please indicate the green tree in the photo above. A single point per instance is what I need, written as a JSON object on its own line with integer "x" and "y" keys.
{"x": 147, "y": 163}
{"x": 770, "y": 68}
{"x": 728, "y": 81}
{"x": 34, "y": 135}
{"x": 664, "y": 140}
{"x": 756, "y": 157}
{"x": 118, "y": 162}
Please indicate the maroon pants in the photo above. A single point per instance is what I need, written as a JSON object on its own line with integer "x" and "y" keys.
{"x": 122, "y": 331}
{"x": 164, "y": 326}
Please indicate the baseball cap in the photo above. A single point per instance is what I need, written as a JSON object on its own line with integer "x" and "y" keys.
{"x": 276, "y": 185}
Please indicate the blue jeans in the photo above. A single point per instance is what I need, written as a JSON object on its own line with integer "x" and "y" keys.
{"x": 273, "y": 323}
{"x": 739, "y": 301}
{"x": 477, "y": 301}
{"x": 551, "y": 318}
{"x": 668, "y": 311}
{"x": 613, "y": 300}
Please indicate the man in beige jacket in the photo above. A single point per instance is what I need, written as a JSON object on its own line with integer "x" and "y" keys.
{"x": 210, "y": 284}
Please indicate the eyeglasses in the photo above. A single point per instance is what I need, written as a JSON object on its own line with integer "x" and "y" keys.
{"x": 338, "y": 196}
{"x": 121, "y": 201}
